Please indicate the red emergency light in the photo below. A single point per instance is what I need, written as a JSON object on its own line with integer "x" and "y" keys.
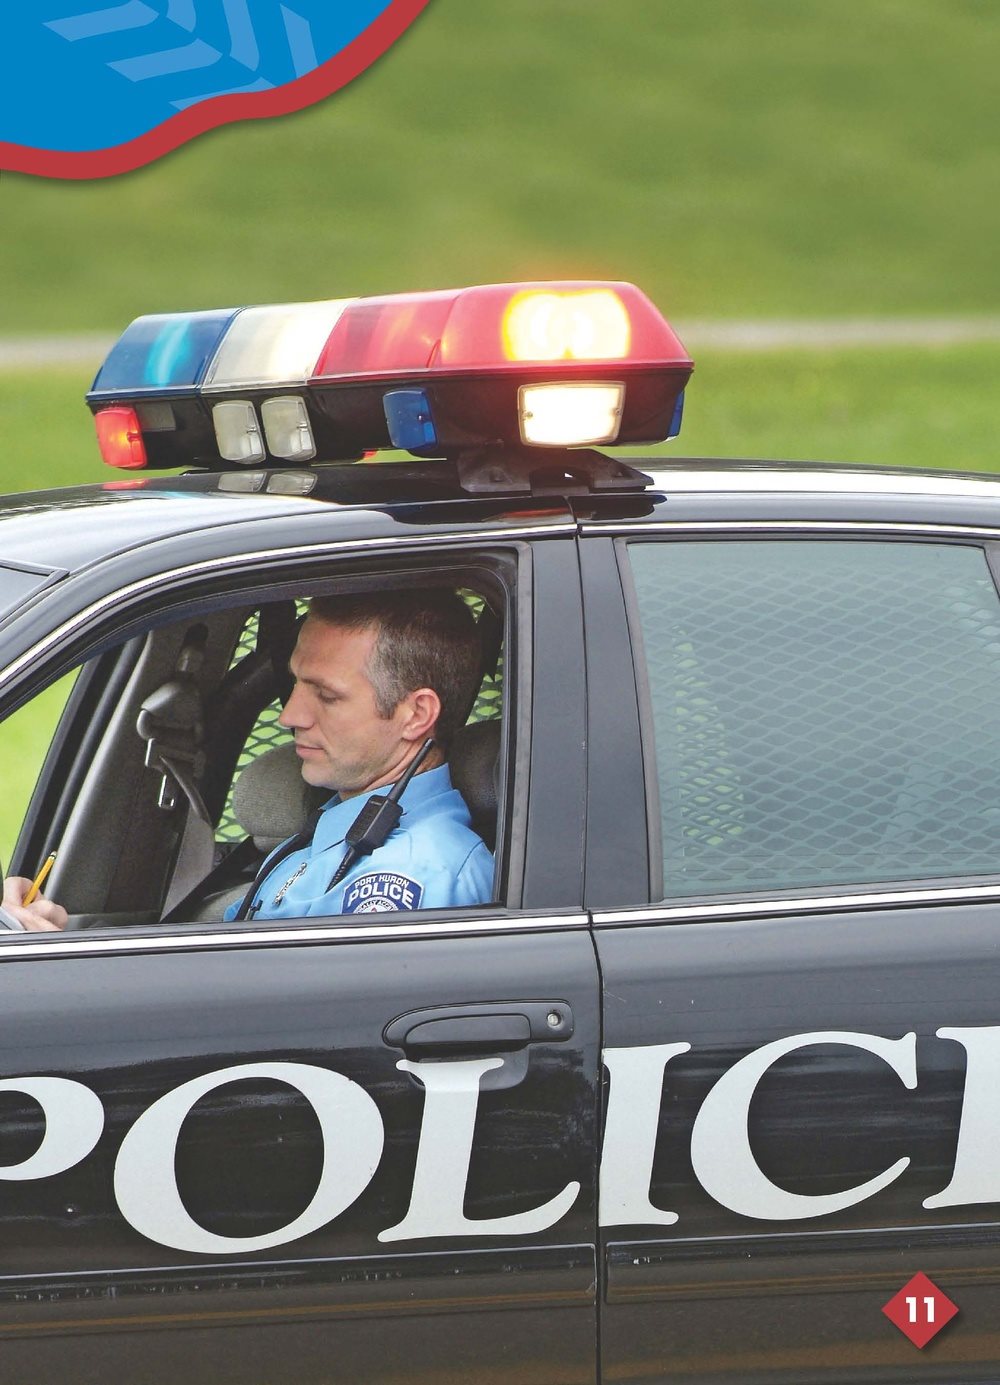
{"x": 119, "y": 437}
{"x": 499, "y": 328}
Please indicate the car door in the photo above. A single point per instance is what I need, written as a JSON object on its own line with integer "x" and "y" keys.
{"x": 331, "y": 1151}
{"x": 801, "y": 1021}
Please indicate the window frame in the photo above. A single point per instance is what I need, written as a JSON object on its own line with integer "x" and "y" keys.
{"x": 177, "y": 596}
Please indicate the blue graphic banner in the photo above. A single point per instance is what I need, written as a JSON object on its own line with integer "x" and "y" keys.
{"x": 88, "y": 89}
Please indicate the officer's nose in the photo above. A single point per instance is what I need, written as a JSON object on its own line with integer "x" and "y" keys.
{"x": 294, "y": 714}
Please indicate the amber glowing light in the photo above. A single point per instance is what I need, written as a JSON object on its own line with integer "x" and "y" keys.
{"x": 575, "y": 325}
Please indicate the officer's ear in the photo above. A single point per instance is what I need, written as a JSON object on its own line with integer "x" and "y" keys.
{"x": 419, "y": 712}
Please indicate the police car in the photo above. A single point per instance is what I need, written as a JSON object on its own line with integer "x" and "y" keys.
{"x": 715, "y": 1073}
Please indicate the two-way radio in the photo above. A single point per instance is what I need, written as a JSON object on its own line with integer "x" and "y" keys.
{"x": 377, "y": 818}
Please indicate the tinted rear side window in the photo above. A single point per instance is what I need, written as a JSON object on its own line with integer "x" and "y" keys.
{"x": 825, "y": 712}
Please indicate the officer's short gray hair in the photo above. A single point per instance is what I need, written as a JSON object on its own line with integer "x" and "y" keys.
{"x": 425, "y": 639}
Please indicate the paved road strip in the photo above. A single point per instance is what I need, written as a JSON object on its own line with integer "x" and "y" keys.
{"x": 821, "y": 335}
{"x": 87, "y": 350}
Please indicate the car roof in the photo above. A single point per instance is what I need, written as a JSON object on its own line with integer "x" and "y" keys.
{"x": 712, "y": 474}
{"x": 71, "y": 527}
{"x": 708, "y": 492}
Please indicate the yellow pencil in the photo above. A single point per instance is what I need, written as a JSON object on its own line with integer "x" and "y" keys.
{"x": 40, "y": 879}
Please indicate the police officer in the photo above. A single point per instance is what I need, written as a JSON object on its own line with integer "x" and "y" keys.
{"x": 376, "y": 675}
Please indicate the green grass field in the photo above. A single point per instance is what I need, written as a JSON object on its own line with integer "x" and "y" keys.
{"x": 734, "y": 157}
{"x": 24, "y": 739}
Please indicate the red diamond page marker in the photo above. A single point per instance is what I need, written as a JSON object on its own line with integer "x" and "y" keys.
{"x": 920, "y": 1310}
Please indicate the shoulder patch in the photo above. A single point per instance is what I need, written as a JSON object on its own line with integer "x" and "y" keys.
{"x": 382, "y": 892}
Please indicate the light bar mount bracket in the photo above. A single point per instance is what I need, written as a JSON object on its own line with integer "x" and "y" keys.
{"x": 544, "y": 471}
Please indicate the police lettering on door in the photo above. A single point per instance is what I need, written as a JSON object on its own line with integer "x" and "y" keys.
{"x": 353, "y": 1135}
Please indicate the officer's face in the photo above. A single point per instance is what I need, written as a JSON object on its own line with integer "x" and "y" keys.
{"x": 341, "y": 740}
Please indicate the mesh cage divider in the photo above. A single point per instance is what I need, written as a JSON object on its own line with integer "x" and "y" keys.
{"x": 265, "y": 735}
{"x": 825, "y": 713}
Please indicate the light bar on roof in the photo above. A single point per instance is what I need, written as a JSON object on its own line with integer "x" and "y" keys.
{"x": 564, "y": 364}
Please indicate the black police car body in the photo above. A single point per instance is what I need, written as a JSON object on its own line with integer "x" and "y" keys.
{"x": 700, "y": 1090}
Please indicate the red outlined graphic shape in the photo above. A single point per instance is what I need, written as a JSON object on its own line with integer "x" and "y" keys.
{"x": 920, "y": 1309}
{"x": 315, "y": 86}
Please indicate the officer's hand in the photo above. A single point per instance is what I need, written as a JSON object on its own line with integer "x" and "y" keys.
{"x": 41, "y": 915}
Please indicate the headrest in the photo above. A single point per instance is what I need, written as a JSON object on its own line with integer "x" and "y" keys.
{"x": 271, "y": 800}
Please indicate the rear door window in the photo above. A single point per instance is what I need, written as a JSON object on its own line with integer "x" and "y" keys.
{"x": 824, "y": 712}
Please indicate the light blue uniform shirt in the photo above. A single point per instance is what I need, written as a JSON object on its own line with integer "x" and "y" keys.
{"x": 431, "y": 860}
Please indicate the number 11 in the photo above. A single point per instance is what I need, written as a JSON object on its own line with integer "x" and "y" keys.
{"x": 911, "y": 1303}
